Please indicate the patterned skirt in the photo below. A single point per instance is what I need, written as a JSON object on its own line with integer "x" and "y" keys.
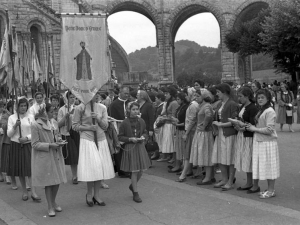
{"x": 19, "y": 160}
{"x": 202, "y": 148}
{"x": 70, "y": 151}
{"x": 4, "y": 157}
{"x": 135, "y": 158}
{"x": 265, "y": 163}
{"x": 179, "y": 144}
{"x": 224, "y": 149}
{"x": 188, "y": 145}
{"x": 167, "y": 138}
{"x": 243, "y": 154}
{"x": 94, "y": 164}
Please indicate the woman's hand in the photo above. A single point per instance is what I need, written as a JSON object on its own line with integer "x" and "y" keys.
{"x": 93, "y": 127}
{"x": 54, "y": 145}
{"x": 22, "y": 140}
{"x": 133, "y": 139}
{"x": 18, "y": 123}
{"x": 250, "y": 127}
{"x": 96, "y": 116}
{"x": 216, "y": 123}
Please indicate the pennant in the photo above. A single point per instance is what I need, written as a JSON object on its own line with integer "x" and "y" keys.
{"x": 35, "y": 65}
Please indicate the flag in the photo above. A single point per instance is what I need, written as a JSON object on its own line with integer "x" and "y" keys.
{"x": 5, "y": 59}
{"x": 84, "y": 62}
{"x": 25, "y": 62}
{"x": 17, "y": 60}
{"x": 50, "y": 76}
{"x": 35, "y": 65}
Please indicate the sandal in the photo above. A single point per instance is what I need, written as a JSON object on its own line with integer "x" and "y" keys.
{"x": 227, "y": 187}
{"x": 180, "y": 180}
{"x": 104, "y": 186}
{"x": 268, "y": 194}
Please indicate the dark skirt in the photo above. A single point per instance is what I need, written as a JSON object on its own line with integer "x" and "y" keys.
{"x": 70, "y": 151}
{"x": 19, "y": 160}
{"x": 4, "y": 157}
{"x": 135, "y": 158}
{"x": 188, "y": 145}
{"x": 75, "y": 136}
{"x": 289, "y": 120}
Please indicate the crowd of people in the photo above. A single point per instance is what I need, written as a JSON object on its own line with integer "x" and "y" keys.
{"x": 210, "y": 129}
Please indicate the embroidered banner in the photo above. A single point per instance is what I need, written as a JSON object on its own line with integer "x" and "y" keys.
{"x": 84, "y": 62}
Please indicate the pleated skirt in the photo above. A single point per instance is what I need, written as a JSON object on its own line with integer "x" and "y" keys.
{"x": 4, "y": 157}
{"x": 188, "y": 145}
{"x": 179, "y": 144}
{"x": 202, "y": 148}
{"x": 135, "y": 158}
{"x": 19, "y": 160}
{"x": 94, "y": 164}
{"x": 167, "y": 138}
{"x": 265, "y": 161}
{"x": 243, "y": 153}
{"x": 70, "y": 151}
{"x": 224, "y": 149}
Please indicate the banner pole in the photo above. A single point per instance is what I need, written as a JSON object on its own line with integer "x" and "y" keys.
{"x": 94, "y": 123}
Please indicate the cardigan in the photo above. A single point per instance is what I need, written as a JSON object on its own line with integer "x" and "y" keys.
{"x": 266, "y": 126}
{"x": 180, "y": 115}
{"x": 125, "y": 131}
{"x": 205, "y": 117}
{"x": 191, "y": 116}
{"x": 230, "y": 110}
{"x": 249, "y": 117}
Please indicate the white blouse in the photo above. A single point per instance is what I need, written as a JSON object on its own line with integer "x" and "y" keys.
{"x": 61, "y": 113}
{"x": 26, "y": 121}
{"x": 34, "y": 109}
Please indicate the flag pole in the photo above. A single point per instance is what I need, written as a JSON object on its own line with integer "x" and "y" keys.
{"x": 94, "y": 122}
{"x": 48, "y": 71}
{"x": 33, "y": 75}
{"x": 13, "y": 68}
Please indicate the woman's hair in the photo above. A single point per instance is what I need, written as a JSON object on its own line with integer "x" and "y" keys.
{"x": 182, "y": 97}
{"x": 172, "y": 91}
{"x": 48, "y": 107}
{"x": 23, "y": 100}
{"x": 54, "y": 97}
{"x": 129, "y": 107}
{"x": 247, "y": 92}
{"x": 103, "y": 96}
{"x": 38, "y": 93}
{"x": 10, "y": 104}
{"x": 268, "y": 95}
{"x": 257, "y": 84}
{"x": 161, "y": 96}
{"x": 144, "y": 95}
{"x": 68, "y": 94}
{"x": 224, "y": 88}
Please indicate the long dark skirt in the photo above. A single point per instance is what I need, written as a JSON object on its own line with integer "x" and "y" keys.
{"x": 75, "y": 136}
{"x": 4, "y": 157}
{"x": 19, "y": 160}
{"x": 70, "y": 151}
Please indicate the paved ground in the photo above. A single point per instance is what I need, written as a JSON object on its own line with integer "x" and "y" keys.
{"x": 168, "y": 202}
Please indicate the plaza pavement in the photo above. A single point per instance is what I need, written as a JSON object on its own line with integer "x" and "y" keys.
{"x": 167, "y": 202}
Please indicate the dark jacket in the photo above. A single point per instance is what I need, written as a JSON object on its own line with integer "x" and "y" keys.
{"x": 116, "y": 109}
{"x": 230, "y": 110}
{"x": 180, "y": 115}
{"x": 249, "y": 117}
{"x": 147, "y": 114}
{"x": 125, "y": 131}
{"x": 158, "y": 110}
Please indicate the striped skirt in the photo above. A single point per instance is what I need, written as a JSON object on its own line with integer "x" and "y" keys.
{"x": 188, "y": 145}
{"x": 202, "y": 147}
{"x": 167, "y": 138}
{"x": 70, "y": 151}
{"x": 94, "y": 164}
{"x": 179, "y": 144}
{"x": 4, "y": 157}
{"x": 135, "y": 158}
{"x": 243, "y": 154}
{"x": 19, "y": 160}
{"x": 265, "y": 161}
{"x": 224, "y": 149}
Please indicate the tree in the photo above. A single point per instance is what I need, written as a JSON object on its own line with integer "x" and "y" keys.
{"x": 281, "y": 36}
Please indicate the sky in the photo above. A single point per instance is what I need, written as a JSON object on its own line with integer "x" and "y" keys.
{"x": 135, "y": 31}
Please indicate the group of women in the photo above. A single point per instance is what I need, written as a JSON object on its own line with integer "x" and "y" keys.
{"x": 212, "y": 129}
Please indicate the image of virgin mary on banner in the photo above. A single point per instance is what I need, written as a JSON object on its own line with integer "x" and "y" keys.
{"x": 85, "y": 63}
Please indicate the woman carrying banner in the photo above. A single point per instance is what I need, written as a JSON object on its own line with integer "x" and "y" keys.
{"x": 95, "y": 163}
{"x": 39, "y": 101}
{"x": 64, "y": 118}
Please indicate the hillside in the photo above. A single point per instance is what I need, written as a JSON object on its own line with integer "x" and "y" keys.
{"x": 191, "y": 59}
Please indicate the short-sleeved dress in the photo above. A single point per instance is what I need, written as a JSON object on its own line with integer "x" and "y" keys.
{"x": 135, "y": 157}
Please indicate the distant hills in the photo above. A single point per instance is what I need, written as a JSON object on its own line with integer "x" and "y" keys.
{"x": 191, "y": 59}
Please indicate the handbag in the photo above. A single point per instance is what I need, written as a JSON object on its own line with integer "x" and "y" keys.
{"x": 151, "y": 145}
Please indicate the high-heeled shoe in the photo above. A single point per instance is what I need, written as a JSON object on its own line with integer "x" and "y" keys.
{"x": 89, "y": 203}
{"x": 98, "y": 203}
{"x": 36, "y": 199}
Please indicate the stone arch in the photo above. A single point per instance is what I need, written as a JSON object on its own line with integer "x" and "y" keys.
{"x": 242, "y": 13}
{"x": 186, "y": 10}
{"x": 143, "y": 8}
{"x": 37, "y": 22}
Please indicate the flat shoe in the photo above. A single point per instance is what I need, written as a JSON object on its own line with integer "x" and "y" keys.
{"x": 227, "y": 187}
{"x": 51, "y": 213}
{"x": 219, "y": 185}
{"x": 204, "y": 183}
{"x": 161, "y": 160}
{"x": 244, "y": 189}
{"x": 75, "y": 180}
{"x": 57, "y": 208}
{"x": 174, "y": 171}
{"x": 255, "y": 191}
{"x": 196, "y": 176}
{"x": 2, "y": 180}
{"x": 268, "y": 194}
{"x": 170, "y": 167}
{"x": 190, "y": 174}
{"x": 28, "y": 188}
{"x": 24, "y": 197}
{"x": 180, "y": 180}
{"x": 104, "y": 186}
{"x": 14, "y": 187}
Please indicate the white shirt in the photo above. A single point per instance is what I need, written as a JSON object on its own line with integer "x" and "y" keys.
{"x": 26, "y": 120}
{"x": 61, "y": 113}
{"x": 34, "y": 109}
